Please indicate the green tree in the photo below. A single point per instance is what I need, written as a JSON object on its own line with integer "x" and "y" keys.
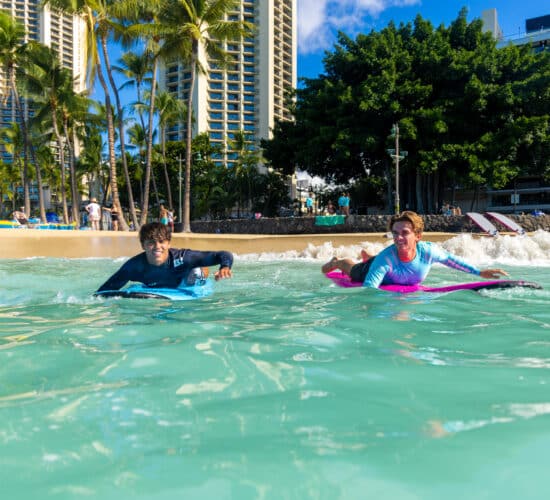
{"x": 97, "y": 15}
{"x": 13, "y": 57}
{"x": 469, "y": 114}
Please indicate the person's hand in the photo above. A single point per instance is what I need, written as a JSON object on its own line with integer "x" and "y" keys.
{"x": 492, "y": 273}
{"x": 224, "y": 272}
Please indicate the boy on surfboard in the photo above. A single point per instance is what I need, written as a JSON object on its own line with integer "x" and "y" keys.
{"x": 160, "y": 266}
{"x": 407, "y": 261}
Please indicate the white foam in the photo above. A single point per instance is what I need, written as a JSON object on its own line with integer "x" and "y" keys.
{"x": 531, "y": 250}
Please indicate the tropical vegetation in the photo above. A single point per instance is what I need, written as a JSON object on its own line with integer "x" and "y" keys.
{"x": 469, "y": 114}
{"x": 124, "y": 155}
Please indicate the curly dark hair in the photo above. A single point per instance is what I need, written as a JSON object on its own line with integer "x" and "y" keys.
{"x": 154, "y": 231}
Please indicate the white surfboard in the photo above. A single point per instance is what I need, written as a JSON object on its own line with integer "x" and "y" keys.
{"x": 506, "y": 222}
{"x": 483, "y": 223}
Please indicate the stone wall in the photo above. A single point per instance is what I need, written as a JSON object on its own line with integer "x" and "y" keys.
{"x": 354, "y": 224}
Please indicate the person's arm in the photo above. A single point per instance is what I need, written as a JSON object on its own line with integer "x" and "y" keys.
{"x": 119, "y": 279}
{"x": 196, "y": 258}
{"x": 455, "y": 262}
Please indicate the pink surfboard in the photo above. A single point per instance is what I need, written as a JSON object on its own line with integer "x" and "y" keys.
{"x": 343, "y": 280}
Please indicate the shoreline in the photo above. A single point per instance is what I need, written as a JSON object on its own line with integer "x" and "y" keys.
{"x": 26, "y": 243}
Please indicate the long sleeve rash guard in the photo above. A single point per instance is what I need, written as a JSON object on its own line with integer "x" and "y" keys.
{"x": 387, "y": 269}
{"x": 180, "y": 262}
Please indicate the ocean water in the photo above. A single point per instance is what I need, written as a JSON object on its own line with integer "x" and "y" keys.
{"x": 279, "y": 385}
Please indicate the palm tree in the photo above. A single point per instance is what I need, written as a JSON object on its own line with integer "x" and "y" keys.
{"x": 97, "y": 16}
{"x": 74, "y": 116}
{"x": 193, "y": 26}
{"x": 136, "y": 68}
{"x": 48, "y": 82}
{"x": 13, "y": 56}
{"x": 12, "y": 140}
{"x": 169, "y": 110}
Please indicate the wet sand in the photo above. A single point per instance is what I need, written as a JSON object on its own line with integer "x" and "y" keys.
{"x": 24, "y": 243}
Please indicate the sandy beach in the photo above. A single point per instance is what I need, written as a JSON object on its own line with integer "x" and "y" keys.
{"x": 24, "y": 243}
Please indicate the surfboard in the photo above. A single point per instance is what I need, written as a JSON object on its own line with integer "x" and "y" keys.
{"x": 483, "y": 223}
{"x": 343, "y": 280}
{"x": 145, "y": 292}
{"x": 506, "y": 222}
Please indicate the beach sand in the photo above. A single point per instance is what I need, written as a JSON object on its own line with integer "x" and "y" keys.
{"x": 25, "y": 243}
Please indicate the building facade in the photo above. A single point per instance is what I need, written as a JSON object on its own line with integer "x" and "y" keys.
{"x": 250, "y": 94}
{"x": 66, "y": 34}
{"x": 536, "y": 34}
{"x": 531, "y": 193}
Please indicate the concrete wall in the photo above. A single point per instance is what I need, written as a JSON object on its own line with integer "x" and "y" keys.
{"x": 354, "y": 224}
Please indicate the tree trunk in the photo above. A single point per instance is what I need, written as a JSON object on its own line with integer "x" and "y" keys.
{"x": 418, "y": 187}
{"x": 28, "y": 147}
{"x": 149, "y": 155}
{"x": 189, "y": 141}
{"x": 110, "y": 138}
{"x": 122, "y": 139}
{"x": 72, "y": 173}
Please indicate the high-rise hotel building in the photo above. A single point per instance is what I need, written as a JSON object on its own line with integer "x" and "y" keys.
{"x": 250, "y": 94}
{"x": 66, "y": 34}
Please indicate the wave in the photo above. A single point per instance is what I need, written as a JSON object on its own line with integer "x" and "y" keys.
{"x": 528, "y": 250}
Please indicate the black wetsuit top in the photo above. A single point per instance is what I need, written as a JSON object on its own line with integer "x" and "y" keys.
{"x": 179, "y": 264}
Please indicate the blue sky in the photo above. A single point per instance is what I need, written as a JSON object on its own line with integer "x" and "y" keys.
{"x": 320, "y": 20}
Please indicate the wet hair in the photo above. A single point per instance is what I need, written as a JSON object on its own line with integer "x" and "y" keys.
{"x": 154, "y": 231}
{"x": 408, "y": 216}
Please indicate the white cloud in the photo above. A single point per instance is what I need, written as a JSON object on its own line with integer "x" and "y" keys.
{"x": 319, "y": 19}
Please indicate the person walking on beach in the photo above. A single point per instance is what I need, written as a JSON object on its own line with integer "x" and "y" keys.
{"x": 161, "y": 266}
{"x": 407, "y": 261}
{"x": 94, "y": 213}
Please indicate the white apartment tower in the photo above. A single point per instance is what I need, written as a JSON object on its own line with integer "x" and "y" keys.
{"x": 249, "y": 95}
{"x": 66, "y": 34}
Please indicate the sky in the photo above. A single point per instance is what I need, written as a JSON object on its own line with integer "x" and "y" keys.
{"x": 320, "y": 20}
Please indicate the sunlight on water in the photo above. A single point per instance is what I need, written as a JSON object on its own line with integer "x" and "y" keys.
{"x": 279, "y": 385}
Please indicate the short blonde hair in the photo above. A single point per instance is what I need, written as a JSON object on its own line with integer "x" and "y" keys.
{"x": 408, "y": 216}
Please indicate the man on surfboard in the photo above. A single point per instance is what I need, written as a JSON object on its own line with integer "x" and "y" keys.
{"x": 407, "y": 261}
{"x": 160, "y": 266}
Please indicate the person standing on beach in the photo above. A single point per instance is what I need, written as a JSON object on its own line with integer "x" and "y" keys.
{"x": 343, "y": 204}
{"x": 163, "y": 215}
{"x": 114, "y": 217}
{"x": 94, "y": 213}
{"x": 309, "y": 204}
{"x": 160, "y": 266}
{"x": 406, "y": 262}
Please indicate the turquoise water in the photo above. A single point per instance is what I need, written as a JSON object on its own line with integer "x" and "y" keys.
{"x": 279, "y": 385}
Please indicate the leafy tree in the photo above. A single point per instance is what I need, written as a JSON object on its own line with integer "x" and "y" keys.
{"x": 468, "y": 113}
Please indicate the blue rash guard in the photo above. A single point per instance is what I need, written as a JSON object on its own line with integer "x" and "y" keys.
{"x": 171, "y": 275}
{"x": 387, "y": 269}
